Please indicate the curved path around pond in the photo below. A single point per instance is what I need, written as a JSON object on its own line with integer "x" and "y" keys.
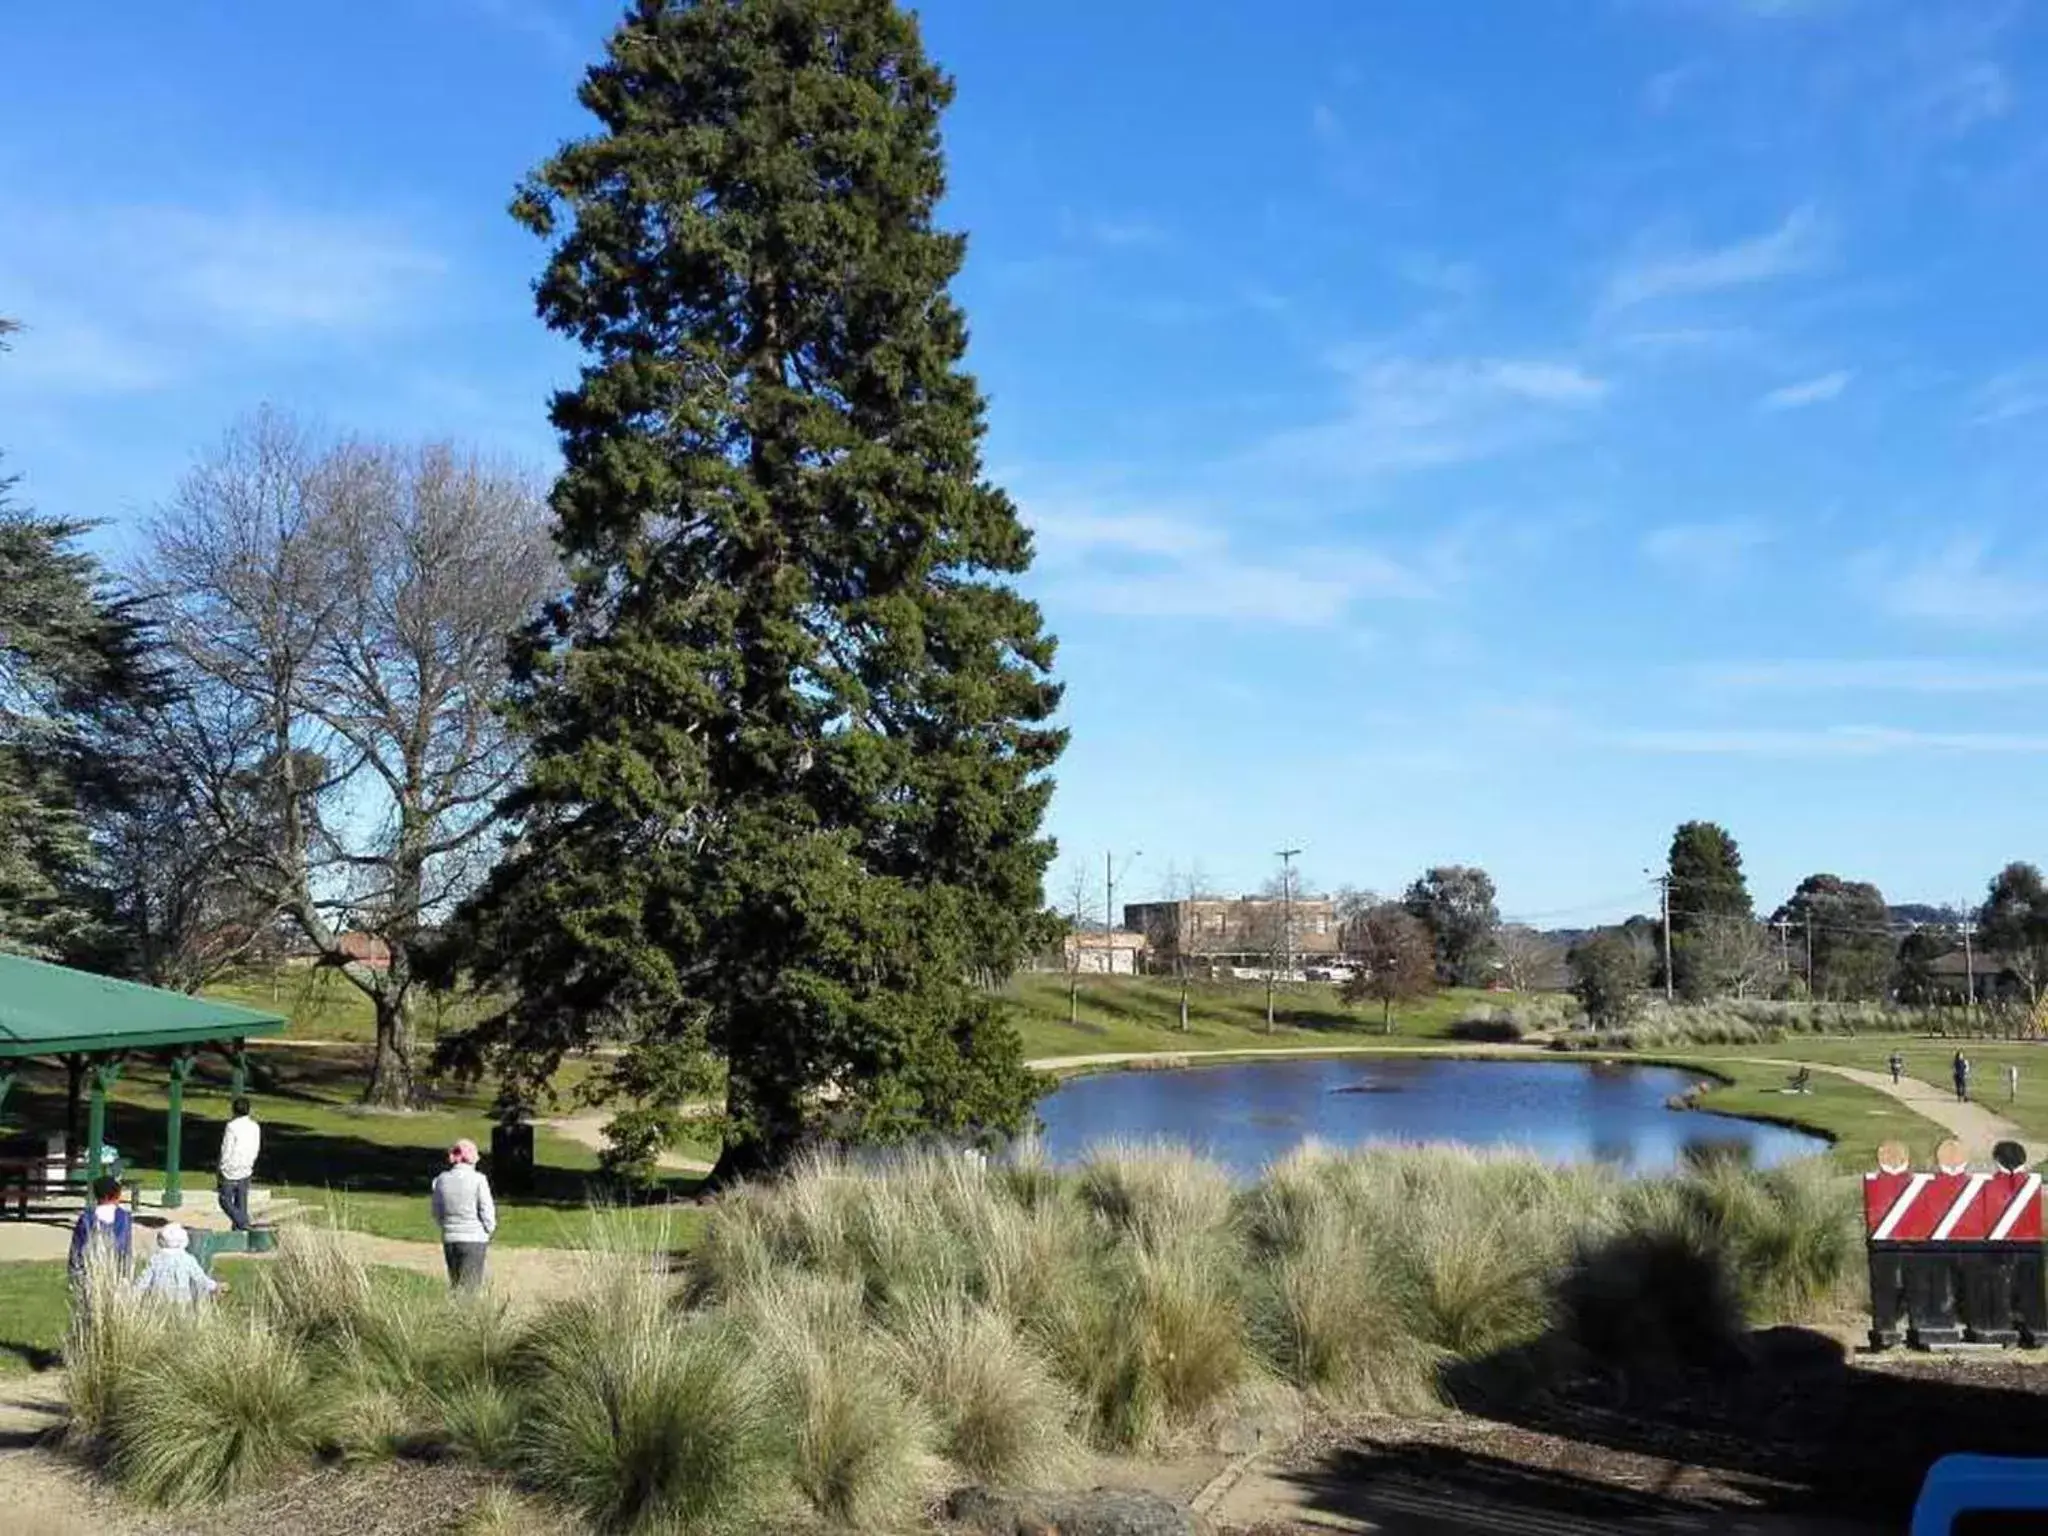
{"x": 1976, "y": 1127}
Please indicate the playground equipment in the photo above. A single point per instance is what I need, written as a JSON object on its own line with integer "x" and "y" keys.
{"x": 1955, "y": 1256}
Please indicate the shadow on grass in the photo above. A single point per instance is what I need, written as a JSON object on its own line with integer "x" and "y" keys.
{"x": 327, "y": 1157}
{"x": 1782, "y": 1417}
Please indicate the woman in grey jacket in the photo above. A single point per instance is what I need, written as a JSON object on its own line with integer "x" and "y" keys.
{"x": 466, "y": 1215}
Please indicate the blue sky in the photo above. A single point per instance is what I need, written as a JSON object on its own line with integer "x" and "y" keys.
{"x": 1481, "y": 433}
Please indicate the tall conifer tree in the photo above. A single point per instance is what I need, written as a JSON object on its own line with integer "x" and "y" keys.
{"x": 791, "y": 718}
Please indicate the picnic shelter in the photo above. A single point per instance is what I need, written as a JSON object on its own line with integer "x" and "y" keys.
{"x": 91, "y": 1025}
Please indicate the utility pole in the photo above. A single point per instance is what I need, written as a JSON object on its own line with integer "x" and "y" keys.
{"x": 1287, "y": 857}
{"x": 1784, "y": 927}
{"x": 1663, "y": 884}
{"x": 1969, "y": 974}
{"x": 1109, "y": 924}
{"x": 1809, "y": 952}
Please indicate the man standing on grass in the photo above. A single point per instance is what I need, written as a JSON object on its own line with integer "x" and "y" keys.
{"x": 239, "y": 1144}
{"x": 1960, "y": 1070}
{"x": 466, "y": 1215}
{"x": 1898, "y": 1065}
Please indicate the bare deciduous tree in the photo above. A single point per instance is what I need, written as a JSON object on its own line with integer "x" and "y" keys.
{"x": 341, "y": 615}
{"x": 1396, "y": 960}
{"x": 1078, "y": 894}
{"x": 1527, "y": 959}
{"x": 1731, "y": 957}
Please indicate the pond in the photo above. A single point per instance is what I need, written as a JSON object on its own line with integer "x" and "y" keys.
{"x": 1246, "y": 1114}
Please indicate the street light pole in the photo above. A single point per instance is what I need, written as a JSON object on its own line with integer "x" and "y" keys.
{"x": 1109, "y": 905}
{"x": 1287, "y": 857}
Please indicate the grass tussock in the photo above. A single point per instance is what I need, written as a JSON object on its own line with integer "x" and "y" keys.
{"x": 848, "y": 1341}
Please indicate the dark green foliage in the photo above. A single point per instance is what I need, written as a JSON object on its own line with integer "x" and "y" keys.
{"x": 1608, "y": 970}
{"x": 1456, "y": 903}
{"x": 1848, "y": 927}
{"x": 789, "y": 720}
{"x": 1914, "y": 979}
{"x": 74, "y": 656}
{"x": 1708, "y": 893}
{"x": 2014, "y": 924}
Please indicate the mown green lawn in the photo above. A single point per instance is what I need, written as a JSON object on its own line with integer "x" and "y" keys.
{"x": 1142, "y": 1013}
{"x": 35, "y": 1303}
{"x": 324, "y": 1150}
{"x": 1928, "y": 1059}
{"x": 1858, "y": 1118}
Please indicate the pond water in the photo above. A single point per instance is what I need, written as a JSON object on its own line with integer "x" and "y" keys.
{"x": 1246, "y": 1114}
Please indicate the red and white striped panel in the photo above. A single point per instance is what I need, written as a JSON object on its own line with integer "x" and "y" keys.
{"x": 1881, "y": 1192}
{"x": 1933, "y": 1208}
{"x": 2011, "y": 1204}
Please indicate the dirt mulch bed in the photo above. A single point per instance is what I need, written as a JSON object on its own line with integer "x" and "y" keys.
{"x": 1803, "y": 1438}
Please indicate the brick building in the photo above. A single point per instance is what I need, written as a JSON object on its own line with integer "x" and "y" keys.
{"x": 1250, "y": 930}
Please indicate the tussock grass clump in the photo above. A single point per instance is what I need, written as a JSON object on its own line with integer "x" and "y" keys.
{"x": 318, "y": 1289}
{"x": 858, "y": 1442}
{"x": 1788, "y": 1235}
{"x": 1159, "y": 1196}
{"x": 1652, "y": 1293}
{"x": 113, "y": 1339}
{"x": 849, "y": 1338}
{"x": 641, "y": 1420}
{"x": 227, "y": 1405}
{"x": 1000, "y": 1414}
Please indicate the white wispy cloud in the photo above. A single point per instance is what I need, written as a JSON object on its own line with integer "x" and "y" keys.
{"x": 2014, "y": 395}
{"x": 1713, "y": 551}
{"x": 1459, "y": 280}
{"x": 1830, "y": 741}
{"x": 1877, "y": 675}
{"x": 1960, "y": 98}
{"x": 1799, "y": 244}
{"x": 1173, "y": 565}
{"x": 248, "y": 270}
{"x": 1403, "y": 413}
{"x": 60, "y": 354}
{"x": 1963, "y": 583}
{"x": 1114, "y": 231}
{"x": 1815, "y": 391}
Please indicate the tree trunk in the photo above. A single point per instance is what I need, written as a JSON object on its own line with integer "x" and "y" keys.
{"x": 764, "y": 1129}
{"x": 1386, "y": 1015}
{"x": 1269, "y": 1002}
{"x": 1183, "y": 1001}
{"x": 1074, "y": 999}
{"x": 391, "y": 1081}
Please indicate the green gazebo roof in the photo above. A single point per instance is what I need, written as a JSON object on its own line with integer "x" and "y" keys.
{"x": 51, "y": 1010}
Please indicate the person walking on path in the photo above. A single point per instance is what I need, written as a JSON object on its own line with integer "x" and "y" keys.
{"x": 239, "y": 1144}
{"x": 1961, "y": 1071}
{"x": 2012, "y": 1081}
{"x": 104, "y": 1231}
{"x": 173, "y": 1273}
{"x": 1898, "y": 1065}
{"x": 466, "y": 1215}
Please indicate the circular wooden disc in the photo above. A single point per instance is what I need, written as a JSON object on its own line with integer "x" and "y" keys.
{"x": 1950, "y": 1157}
{"x": 1892, "y": 1157}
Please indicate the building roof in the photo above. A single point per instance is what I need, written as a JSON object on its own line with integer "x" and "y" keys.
{"x": 50, "y": 1010}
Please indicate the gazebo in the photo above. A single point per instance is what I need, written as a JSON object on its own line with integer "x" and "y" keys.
{"x": 93, "y": 1024}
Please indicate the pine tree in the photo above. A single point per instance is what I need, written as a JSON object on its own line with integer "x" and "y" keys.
{"x": 74, "y": 653}
{"x": 790, "y": 718}
{"x": 1709, "y": 903}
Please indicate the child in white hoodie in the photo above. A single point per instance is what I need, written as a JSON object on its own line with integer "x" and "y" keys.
{"x": 173, "y": 1273}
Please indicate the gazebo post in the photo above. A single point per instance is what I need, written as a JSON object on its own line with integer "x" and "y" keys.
{"x": 174, "y": 1133}
{"x": 6, "y": 1082}
{"x": 106, "y": 1071}
{"x": 239, "y": 1056}
{"x": 74, "y": 1078}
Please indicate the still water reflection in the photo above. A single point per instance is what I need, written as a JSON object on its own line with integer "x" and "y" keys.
{"x": 1248, "y": 1113}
